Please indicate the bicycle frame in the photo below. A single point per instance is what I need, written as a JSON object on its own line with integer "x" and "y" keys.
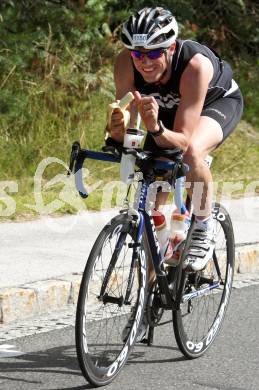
{"x": 145, "y": 220}
{"x": 171, "y": 298}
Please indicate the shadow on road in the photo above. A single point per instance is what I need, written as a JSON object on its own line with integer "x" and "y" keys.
{"x": 33, "y": 370}
{"x": 135, "y": 357}
{"x": 59, "y": 366}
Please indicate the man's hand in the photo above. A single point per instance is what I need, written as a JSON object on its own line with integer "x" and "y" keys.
{"x": 117, "y": 125}
{"x": 148, "y": 109}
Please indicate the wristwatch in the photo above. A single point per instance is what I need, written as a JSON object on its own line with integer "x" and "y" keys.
{"x": 159, "y": 132}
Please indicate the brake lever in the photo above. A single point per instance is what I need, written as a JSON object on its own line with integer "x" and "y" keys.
{"x": 79, "y": 177}
{"x": 77, "y": 160}
{"x": 73, "y": 156}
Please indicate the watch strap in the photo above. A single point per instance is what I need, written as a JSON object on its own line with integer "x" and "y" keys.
{"x": 159, "y": 132}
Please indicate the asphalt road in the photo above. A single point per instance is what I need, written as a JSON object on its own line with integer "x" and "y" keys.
{"x": 51, "y": 247}
{"x": 232, "y": 363}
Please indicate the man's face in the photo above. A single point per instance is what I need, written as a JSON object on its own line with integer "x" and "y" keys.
{"x": 151, "y": 69}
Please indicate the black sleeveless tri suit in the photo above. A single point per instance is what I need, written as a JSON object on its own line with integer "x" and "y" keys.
{"x": 223, "y": 101}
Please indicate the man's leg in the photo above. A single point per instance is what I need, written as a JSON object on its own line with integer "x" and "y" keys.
{"x": 205, "y": 138}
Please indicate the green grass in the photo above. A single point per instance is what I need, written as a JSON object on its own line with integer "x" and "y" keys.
{"x": 247, "y": 75}
{"x": 42, "y": 113}
{"x": 235, "y": 163}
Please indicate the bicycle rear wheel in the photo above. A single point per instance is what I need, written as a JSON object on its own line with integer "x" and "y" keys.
{"x": 111, "y": 291}
{"x": 206, "y": 293}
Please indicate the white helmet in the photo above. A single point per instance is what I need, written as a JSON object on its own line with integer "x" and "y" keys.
{"x": 150, "y": 28}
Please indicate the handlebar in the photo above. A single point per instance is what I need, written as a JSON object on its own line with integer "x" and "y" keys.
{"x": 77, "y": 158}
{"x": 111, "y": 154}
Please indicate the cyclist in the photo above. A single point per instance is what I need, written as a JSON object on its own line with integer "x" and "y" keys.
{"x": 187, "y": 98}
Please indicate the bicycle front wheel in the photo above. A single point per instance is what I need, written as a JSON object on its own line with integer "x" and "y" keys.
{"x": 112, "y": 292}
{"x": 206, "y": 293}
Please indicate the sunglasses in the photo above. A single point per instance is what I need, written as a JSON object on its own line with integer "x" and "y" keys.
{"x": 152, "y": 54}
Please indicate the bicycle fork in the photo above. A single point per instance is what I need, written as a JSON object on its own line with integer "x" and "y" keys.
{"x": 135, "y": 245}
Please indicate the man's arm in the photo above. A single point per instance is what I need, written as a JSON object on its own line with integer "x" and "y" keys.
{"x": 124, "y": 82}
{"x": 193, "y": 89}
{"x": 123, "y": 74}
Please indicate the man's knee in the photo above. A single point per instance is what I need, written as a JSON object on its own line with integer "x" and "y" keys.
{"x": 193, "y": 155}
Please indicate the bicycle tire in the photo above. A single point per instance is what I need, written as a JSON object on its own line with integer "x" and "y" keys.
{"x": 101, "y": 352}
{"x": 199, "y": 320}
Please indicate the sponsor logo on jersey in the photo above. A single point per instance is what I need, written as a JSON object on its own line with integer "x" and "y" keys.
{"x": 168, "y": 101}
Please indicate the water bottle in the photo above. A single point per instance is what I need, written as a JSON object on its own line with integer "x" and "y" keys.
{"x": 132, "y": 140}
{"x": 163, "y": 233}
{"x": 178, "y": 231}
{"x": 179, "y": 224}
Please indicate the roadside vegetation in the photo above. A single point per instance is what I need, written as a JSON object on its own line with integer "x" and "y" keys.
{"x": 56, "y": 60}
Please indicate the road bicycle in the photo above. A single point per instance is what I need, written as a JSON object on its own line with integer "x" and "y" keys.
{"x": 115, "y": 283}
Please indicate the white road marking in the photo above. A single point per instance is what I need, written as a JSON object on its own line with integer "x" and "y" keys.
{"x": 8, "y": 350}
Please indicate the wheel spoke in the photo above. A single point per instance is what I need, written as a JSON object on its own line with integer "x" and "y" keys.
{"x": 197, "y": 322}
{"x": 103, "y": 320}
